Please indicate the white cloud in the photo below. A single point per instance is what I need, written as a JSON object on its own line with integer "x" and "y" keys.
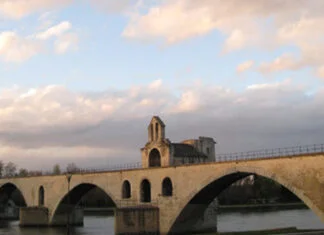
{"x": 171, "y": 22}
{"x": 283, "y": 62}
{"x": 271, "y": 86}
{"x": 155, "y": 85}
{"x": 19, "y": 8}
{"x": 245, "y": 66}
{"x": 181, "y": 19}
{"x": 55, "y": 31}
{"x": 66, "y": 42}
{"x": 320, "y": 71}
{"x": 247, "y": 23}
{"x": 15, "y": 48}
{"x": 113, "y": 6}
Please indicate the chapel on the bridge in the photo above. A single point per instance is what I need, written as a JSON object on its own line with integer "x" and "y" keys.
{"x": 160, "y": 151}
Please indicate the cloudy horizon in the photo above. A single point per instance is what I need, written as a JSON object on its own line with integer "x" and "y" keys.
{"x": 80, "y": 81}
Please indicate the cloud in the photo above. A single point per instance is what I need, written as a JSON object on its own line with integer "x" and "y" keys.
{"x": 45, "y": 122}
{"x": 181, "y": 19}
{"x": 245, "y": 66}
{"x": 15, "y": 48}
{"x": 66, "y": 42}
{"x": 160, "y": 23}
{"x": 283, "y": 62}
{"x": 245, "y": 24}
{"x": 112, "y": 6}
{"x": 45, "y": 158}
{"x": 17, "y": 9}
{"x": 65, "y": 39}
{"x": 55, "y": 31}
{"x": 320, "y": 72}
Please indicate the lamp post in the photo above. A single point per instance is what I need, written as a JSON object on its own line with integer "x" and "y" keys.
{"x": 68, "y": 178}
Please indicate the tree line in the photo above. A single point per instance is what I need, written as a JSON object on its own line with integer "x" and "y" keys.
{"x": 10, "y": 169}
{"x": 261, "y": 191}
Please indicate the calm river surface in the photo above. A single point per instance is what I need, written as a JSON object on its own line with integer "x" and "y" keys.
{"x": 231, "y": 221}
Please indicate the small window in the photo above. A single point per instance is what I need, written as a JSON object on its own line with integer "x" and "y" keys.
{"x": 156, "y": 131}
{"x": 126, "y": 191}
{"x": 167, "y": 187}
{"x": 207, "y": 150}
{"x": 145, "y": 191}
{"x": 152, "y": 132}
{"x": 41, "y": 196}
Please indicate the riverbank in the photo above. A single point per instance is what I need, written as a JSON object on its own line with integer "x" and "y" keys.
{"x": 110, "y": 211}
{"x": 261, "y": 207}
{"x": 222, "y": 208}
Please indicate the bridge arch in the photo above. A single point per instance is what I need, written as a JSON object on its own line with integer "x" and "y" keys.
{"x": 6, "y": 191}
{"x": 71, "y": 199}
{"x": 213, "y": 185}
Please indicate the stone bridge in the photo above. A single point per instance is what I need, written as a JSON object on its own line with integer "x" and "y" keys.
{"x": 181, "y": 193}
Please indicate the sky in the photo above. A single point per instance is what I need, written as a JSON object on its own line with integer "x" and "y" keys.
{"x": 80, "y": 80}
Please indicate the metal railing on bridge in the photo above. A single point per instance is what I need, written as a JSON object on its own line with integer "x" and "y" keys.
{"x": 237, "y": 156}
{"x": 258, "y": 154}
{"x": 117, "y": 167}
{"x": 271, "y": 153}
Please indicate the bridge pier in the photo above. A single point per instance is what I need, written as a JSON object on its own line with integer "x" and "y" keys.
{"x": 39, "y": 216}
{"x": 137, "y": 220}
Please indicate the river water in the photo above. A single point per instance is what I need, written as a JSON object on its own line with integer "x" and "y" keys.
{"x": 230, "y": 221}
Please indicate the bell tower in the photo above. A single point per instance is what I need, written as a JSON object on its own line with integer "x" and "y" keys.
{"x": 156, "y": 130}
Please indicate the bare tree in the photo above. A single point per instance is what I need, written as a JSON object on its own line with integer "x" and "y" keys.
{"x": 10, "y": 169}
{"x": 35, "y": 173}
{"x": 56, "y": 169}
{"x": 72, "y": 168}
{"x": 23, "y": 172}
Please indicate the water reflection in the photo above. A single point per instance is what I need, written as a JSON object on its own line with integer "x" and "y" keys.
{"x": 231, "y": 221}
{"x": 248, "y": 221}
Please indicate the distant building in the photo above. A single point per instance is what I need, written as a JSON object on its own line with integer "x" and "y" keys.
{"x": 160, "y": 151}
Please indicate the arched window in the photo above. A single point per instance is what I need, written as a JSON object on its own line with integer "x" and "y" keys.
{"x": 152, "y": 130}
{"x": 41, "y": 196}
{"x": 167, "y": 189}
{"x": 154, "y": 158}
{"x": 145, "y": 191}
{"x": 126, "y": 191}
{"x": 156, "y": 131}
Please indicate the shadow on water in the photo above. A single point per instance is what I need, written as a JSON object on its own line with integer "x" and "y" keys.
{"x": 93, "y": 225}
{"x": 4, "y": 224}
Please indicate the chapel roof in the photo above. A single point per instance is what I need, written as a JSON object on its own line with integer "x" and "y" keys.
{"x": 186, "y": 150}
{"x": 158, "y": 119}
